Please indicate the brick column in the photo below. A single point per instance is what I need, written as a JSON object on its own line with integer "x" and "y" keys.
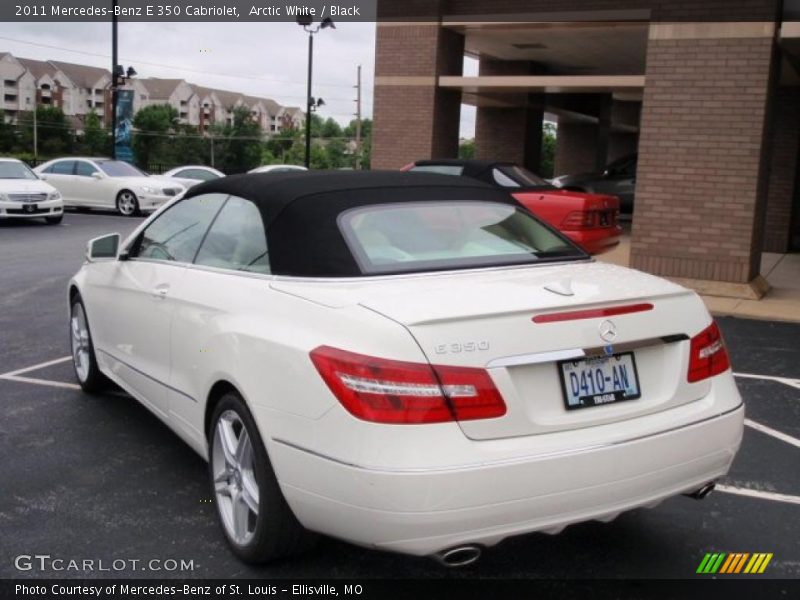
{"x": 510, "y": 134}
{"x": 701, "y": 179}
{"x": 414, "y": 118}
{"x": 783, "y": 170}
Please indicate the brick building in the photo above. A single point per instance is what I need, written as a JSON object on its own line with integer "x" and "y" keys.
{"x": 707, "y": 92}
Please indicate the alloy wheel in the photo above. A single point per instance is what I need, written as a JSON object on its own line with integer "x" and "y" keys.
{"x": 80, "y": 342}
{"x": 127, "y": 203}
{"x": 235, "y": 485}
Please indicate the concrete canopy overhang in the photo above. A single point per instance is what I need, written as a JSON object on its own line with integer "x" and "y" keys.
{"x": 570, "y": 54}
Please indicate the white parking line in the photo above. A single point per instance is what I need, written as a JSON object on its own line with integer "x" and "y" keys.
{"x": 774, "y": 496}
{"x": 49, "y": 363}
{"x": 58, "y": 384}
{"x": 774, "y": 433}
{"x": 795, "y": 383}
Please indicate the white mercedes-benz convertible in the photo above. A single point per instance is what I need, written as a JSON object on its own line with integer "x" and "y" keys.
{"x": 411, "y": 362}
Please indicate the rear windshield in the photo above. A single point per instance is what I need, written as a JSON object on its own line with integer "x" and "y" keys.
{"x": 432, "y": 236}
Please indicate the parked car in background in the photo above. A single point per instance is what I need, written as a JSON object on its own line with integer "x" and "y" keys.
{"x": 23, "y": 195}
{"x": 589, "y": 220}
{"x": 409, "y": 362}
{"x": 277, "y": 169}
{"x": 618, "y": 179}
{"x": 105, "y": 183}
{"x": 193, "y": 174}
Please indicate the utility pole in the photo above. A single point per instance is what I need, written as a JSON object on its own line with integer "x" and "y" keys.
{"x": 309, "y": 99}
{"x": 35, "y": 125}
{"x": 114, "y": 62}
{"x": 358, "y": 120}
{"x": 211, "y": 137}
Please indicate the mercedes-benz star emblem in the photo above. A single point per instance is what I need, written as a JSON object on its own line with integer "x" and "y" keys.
{"x": 608, "y": 331}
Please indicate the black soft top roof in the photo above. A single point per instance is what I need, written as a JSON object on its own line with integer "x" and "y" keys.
{"x": 300, "y": 209}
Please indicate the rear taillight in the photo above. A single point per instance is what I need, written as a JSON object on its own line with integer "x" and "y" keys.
{"x": 589, "y": 219}
{"x": 391, "y": 391}
{"x": 579, "y": 219}
{"x": 708, "y": 355}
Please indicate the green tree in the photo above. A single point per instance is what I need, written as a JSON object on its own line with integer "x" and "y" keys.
{"x": 241, "y": 144}
{"x": 466, "y": 149}
{"x": 8, "y": 137}
{"x": 549, "y": 134}
{"x": 335, "y": 151}
{"x": 96, "y": 140}
{"x": 53, "y": 131}
{"x": 153, "y": 125}
{"x": 331, "y": 129}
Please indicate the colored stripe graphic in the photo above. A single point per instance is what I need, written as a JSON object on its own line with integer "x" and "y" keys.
{"x": 733, "y": 563}
{"x": 726, "y": 566}
{"x": 711, "y": 563}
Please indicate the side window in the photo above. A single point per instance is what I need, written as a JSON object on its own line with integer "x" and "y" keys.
{"x": 84, "y": 169}
{"x": 236, "y": 240}
{"x": 196, "y": 174}
{"x": 62, "y": 167}
{"x": 177, "y": 233}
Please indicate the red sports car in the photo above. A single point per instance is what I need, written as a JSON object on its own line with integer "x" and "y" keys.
{"x": 589, "y": 220}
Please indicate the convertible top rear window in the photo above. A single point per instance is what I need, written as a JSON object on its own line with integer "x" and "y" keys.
{"x": 396, "y": 238}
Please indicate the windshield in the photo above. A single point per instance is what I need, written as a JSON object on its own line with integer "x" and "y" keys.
{"x": 15, "y": 170}
{"x": 513, "y": 176}
{"x": 117, "y": 168}
{"x": 431, "y": 236}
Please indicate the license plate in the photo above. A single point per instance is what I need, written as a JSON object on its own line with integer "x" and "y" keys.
{"x": 29, "y": 208}
{"x": 601, "y": 380}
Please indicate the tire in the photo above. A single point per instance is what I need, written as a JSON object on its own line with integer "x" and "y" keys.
{"x": 243, "y": 471}
{"x": 84, "y": 362}
{"x": 127, "y": 204}
{"x": 54, "y": 220}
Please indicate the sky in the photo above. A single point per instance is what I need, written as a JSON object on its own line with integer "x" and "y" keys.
{"x": 260, "y": 59}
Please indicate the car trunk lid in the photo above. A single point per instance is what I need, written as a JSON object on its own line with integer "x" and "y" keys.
{"x": 488, "y": 319}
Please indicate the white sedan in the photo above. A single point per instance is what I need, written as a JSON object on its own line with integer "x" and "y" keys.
{"x": 277, "y": 169}
{"x": 23, "y": 195}
{"x": 193, "y": 174}
{"x": 410, "y": 362}
{"x": 106, "y": 183}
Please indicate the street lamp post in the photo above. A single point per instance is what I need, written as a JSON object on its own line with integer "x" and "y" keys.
{"x": 305, "y": 21}
{"x": 118, "y": 77}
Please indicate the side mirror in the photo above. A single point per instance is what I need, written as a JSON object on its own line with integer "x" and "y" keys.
{"x": 103, "y": 248}
{"x": 97, "y": 175}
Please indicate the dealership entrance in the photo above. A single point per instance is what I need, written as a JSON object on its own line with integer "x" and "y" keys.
{"x": 712, "y": 107}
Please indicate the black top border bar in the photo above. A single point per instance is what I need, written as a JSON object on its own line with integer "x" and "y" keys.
{"x": 399, "y": 11}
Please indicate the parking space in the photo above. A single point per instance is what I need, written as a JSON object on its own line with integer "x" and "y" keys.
{"x": 99, "y": 477}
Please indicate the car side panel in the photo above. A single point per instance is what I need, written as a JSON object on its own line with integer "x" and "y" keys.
{"x": 236, "y": 328}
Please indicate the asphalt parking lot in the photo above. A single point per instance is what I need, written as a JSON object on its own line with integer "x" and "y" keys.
{"x": 98, "y": 477}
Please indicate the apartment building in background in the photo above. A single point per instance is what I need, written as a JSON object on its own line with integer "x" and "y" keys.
{"x": 79, "y": 89}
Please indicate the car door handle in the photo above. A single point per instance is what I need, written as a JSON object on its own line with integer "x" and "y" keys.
{"x": 160, "y": 291}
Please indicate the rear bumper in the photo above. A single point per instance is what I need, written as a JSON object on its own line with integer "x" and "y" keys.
{"x": 596, "y": 241}
{"x": 421, "y": 511}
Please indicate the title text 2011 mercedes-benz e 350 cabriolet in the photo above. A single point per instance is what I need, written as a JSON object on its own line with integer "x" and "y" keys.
{"x": 410, "y": 362}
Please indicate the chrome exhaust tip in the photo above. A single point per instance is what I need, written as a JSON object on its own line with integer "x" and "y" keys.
{"x": 459, "y": 556}
{"x": 701, "y": 493}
